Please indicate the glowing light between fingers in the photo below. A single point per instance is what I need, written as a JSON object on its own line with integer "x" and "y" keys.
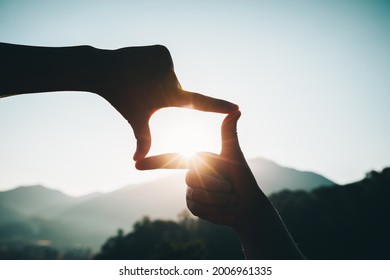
{"x": 188, "y": 155}
{"x": 186, "y": 132}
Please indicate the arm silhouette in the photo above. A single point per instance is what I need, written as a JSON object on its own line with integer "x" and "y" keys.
{"x": 222, "y": 189}
{"x": 137, "y": 81}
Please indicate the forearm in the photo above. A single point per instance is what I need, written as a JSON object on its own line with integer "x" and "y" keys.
{"x": 26, "y": 69}
{"x": 263, "y": 234}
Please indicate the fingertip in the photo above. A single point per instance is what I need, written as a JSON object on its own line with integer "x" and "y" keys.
{"x": 232, "y": 118}
{"x": 228, "y": 107}
{"x": 136, "y": 157}
{"x": 235, "y": 108}
{"x": 139, "y": 154}
{"x": 236, "y": 115}
{"x": 231, "y": 108}
{"x": 139, "y": 165}
{"x": 144, "y": 139}
{"x": 143, "y": 147}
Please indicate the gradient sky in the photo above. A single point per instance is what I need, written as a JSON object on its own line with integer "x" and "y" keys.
{"x": 312, "y": 79}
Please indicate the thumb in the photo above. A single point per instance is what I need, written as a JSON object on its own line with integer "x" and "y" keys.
{"x": 144, "y": 139}
{"x": 230, "y": 145}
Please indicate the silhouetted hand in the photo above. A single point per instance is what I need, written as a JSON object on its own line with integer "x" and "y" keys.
{"x": 222, "y": 189}
{"x": 141, "y": 80}
{"x": 137, "y": 81}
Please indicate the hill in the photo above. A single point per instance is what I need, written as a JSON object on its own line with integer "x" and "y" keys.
{"x": 89, "y": 220}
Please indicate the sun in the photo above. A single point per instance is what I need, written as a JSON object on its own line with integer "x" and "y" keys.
{"x": 188, "y": 155}
{"x": 185, "y": 131}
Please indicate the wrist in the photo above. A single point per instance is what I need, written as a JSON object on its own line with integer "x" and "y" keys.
{"x": 263, "y": 234}
{"x": 255, "y": 214}
{"x": 46, "y": 69}
{"x": 95, "y": 69}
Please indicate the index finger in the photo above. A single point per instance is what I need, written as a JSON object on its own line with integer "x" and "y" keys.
{"x": 205, "y": 103}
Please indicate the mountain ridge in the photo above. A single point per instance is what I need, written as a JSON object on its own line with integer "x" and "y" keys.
{"x": 97, "y": 216}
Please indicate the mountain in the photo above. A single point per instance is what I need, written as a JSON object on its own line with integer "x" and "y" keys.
{"x": 100, "y": 217}
{"x": 8, "y": 215}
{"x": 90, "y": 220}
{"x": 38, "y": 201}
{"x": 273, "y": 178}
{"x": 34, "y": 200}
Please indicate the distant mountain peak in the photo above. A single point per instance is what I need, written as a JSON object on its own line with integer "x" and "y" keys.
{"x": 272, "y": 177}
{"x": 35, "y": 200}
{"x": 34, "y": 188}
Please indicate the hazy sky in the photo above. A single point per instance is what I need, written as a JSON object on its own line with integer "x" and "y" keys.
{"x": 312, "y": 79}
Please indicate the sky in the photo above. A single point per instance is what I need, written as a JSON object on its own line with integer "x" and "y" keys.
{"x": 312, "y": 79}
